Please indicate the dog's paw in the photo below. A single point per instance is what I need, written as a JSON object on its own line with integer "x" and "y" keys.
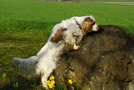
{"x": 45, "y": 86}
{"x": 76, "y": 47}
{"x": 69, "y": 45}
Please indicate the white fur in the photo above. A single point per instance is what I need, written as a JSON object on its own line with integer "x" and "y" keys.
{"x": 46, "y": 60}
{"x": 95, "y": 27}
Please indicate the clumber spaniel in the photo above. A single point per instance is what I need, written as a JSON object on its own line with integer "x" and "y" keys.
{"x": 65, "y": 35}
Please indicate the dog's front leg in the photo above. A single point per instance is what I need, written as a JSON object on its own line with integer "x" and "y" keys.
{"x": 45, "y": 67}
{"x": 44, "y": 79}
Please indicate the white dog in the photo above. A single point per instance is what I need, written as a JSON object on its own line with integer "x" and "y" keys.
{"x": 65, "y": 35}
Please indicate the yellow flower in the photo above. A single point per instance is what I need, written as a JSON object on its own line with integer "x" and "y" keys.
{"x": 51, "y": 86}
{"x": 47, "y": 82}
{"x": 70, "y": 81}
{"x": 53, "y": 82}
{"x": 50, "y": 83}
{"x": 51, "y": 77}
{"x": 4, "y": 75}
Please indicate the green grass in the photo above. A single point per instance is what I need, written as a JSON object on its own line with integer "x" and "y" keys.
{"x": 25, "y": 26}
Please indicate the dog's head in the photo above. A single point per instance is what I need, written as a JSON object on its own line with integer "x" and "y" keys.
{"x": 89, "y": 25}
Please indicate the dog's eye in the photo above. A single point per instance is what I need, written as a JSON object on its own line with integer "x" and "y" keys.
{"x": 65, "y": 28}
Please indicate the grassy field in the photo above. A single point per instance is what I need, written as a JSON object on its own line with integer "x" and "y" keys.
{"x": 25, "y": 26}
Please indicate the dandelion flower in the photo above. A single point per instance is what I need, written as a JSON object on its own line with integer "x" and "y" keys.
{"x": 70, "y": 81}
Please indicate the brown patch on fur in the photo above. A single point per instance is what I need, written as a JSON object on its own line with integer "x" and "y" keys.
{"x": 87, "y": 25}
{"x": 58, "y": 35}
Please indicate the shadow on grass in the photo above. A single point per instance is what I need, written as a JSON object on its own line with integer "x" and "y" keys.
{"x": 22, "y": 83}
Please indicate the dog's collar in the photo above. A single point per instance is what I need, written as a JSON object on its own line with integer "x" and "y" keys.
{"x": 78, "y": 24}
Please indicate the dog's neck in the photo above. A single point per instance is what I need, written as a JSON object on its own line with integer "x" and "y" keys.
{"x": 80, "y": 27}
{"x": 78, "y": 24}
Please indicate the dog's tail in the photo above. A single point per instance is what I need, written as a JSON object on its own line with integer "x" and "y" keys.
{"x": 26, "y": 66}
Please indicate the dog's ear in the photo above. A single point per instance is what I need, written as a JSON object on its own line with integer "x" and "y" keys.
{"x": 87, "y": 24}
{"x": 88, "y": 19}
{"x": 58, "y": 35}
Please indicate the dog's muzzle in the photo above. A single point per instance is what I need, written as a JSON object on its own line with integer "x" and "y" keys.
{"x": 95, "y": 27}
